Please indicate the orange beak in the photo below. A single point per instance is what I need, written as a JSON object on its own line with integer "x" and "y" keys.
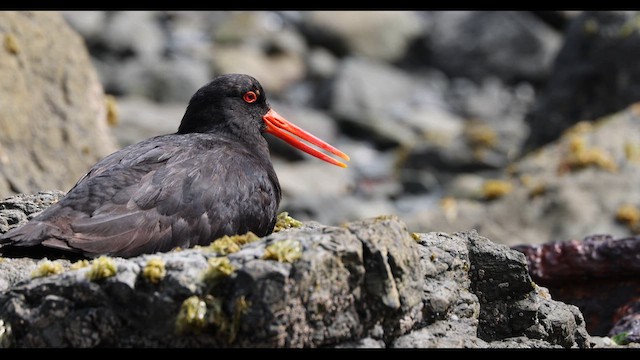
{"x": 280, "y": 127}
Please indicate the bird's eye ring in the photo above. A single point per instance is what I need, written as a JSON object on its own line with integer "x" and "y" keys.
{"x": 250, "y": 96}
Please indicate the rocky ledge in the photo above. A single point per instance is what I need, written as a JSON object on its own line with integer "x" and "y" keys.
{"x": 368, "y": 283}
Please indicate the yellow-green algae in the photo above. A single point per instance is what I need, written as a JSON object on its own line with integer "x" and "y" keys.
{"x": 284, "y": 221}
{"x": 493, "y": 189}
{"x": 283, "y": 251}
{"x": 535, "y": 188}
{"x": 101, "y": 268}
{"x": 591, "y": 26}
{"x": 197, "y": 314}
{"x": 5, "y": 334}
{"x": 229, "y": 244}
{"x": 11, "y": 44}
{"x": 79, "y": 264}
{"x": 632, "y": 152}
{"x": 629, "y": 215}
{"x": 241, "y": 306}
{"x": 154, "y": 271}
{"x": 218, "y": 267}
{"x": 192, "y": 315}
{"x": 449, "y": 206}
{"x": 580, "y": 156}
{"x": 112, "y": 110}
{"x": 630, "y": 26}
{"x": 46, "y": 268}
{"x": 480, "y": 135}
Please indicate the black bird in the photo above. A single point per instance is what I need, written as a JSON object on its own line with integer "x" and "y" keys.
{"x": 213, "y": 177}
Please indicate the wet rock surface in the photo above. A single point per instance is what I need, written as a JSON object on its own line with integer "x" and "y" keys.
{"x": 597, "y": 274}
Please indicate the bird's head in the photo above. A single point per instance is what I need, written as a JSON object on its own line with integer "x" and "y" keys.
{"x": 237, "y": 105}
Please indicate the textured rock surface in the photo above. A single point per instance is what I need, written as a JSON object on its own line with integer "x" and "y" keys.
{"x": 568, "y": 189}
{"x": 369, "y": 283}
{"x": 53, "y": 113}
{"x": 593, "y": 74}
{"x": 598, "y": 274}
{"x": 512, "y": 45}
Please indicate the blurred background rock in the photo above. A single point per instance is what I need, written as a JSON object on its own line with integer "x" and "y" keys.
{"x": 517, "y": 124}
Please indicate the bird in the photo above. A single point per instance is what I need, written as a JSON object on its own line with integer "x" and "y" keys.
{"x": 213, "y": 177}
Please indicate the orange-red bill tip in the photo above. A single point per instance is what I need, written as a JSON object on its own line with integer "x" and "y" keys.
{"x": 282, "y": 128}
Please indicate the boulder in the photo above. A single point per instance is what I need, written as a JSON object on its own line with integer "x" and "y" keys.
{"x": 368, "y": 283}
{"x": 53, "y": 111}
{"x": 381, "y": 35}
{"x": 513, "y": 46}
{"x": 593, "y": 75}
{"x": 583, "y": 183}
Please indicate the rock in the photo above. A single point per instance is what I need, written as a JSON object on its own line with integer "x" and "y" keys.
{"x": 511, "y": 45}
{"x": 259, "y": 43}
{"x": 597, "y": 274}
{"x": 489, "y": 139}
{"x": 17, "y": 210}
{"x": 52, "y": 107}
{"x": 369, "y": 283}
{"x": 167, "y": 60}
{"x": 322, "y": 63}
{"x": 388, "y": 106}
{"x": 140, "y": 119}
{"x": 380, "y": 35}
{"x": 593, "y": 75}
{"x": 562, "y": 191}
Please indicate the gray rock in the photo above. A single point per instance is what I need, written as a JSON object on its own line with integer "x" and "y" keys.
{"x": 593, "y": 74}
{"x": 17, "y": 210}
{"x": 443, "y": 334}
{"x": 511, "y": 45}
{"x": 381, "y": 35}
{"x": 366, "y": 343}
{"x": 366, "y": 284}
{"x": 53, "y": 111}
{"x": 562, "y": 191}
{"x": 321, "y": 63}
{"x": 140, "y": 119}
{"x": 89, "y": 24}
{"x": 389, "y": 106}
{"x": 259, "y": 43}
{"x": 148, "y": 42}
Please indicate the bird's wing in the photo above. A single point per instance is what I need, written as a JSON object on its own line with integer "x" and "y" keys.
{"x": 99, "y": 199}
{"x": 154, "y": 199}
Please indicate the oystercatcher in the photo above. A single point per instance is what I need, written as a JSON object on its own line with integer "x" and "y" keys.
{"x": 213, "y": 177}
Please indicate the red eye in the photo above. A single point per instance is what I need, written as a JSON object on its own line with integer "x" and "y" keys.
{"x": 250, "y": 96}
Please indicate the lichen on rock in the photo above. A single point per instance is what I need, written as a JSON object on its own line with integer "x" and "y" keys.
{"x": 154, "y": 271}
{"x": 46, "y": 268}
{"x": 102, "y": 268}
{"x": 288, "y": 251}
